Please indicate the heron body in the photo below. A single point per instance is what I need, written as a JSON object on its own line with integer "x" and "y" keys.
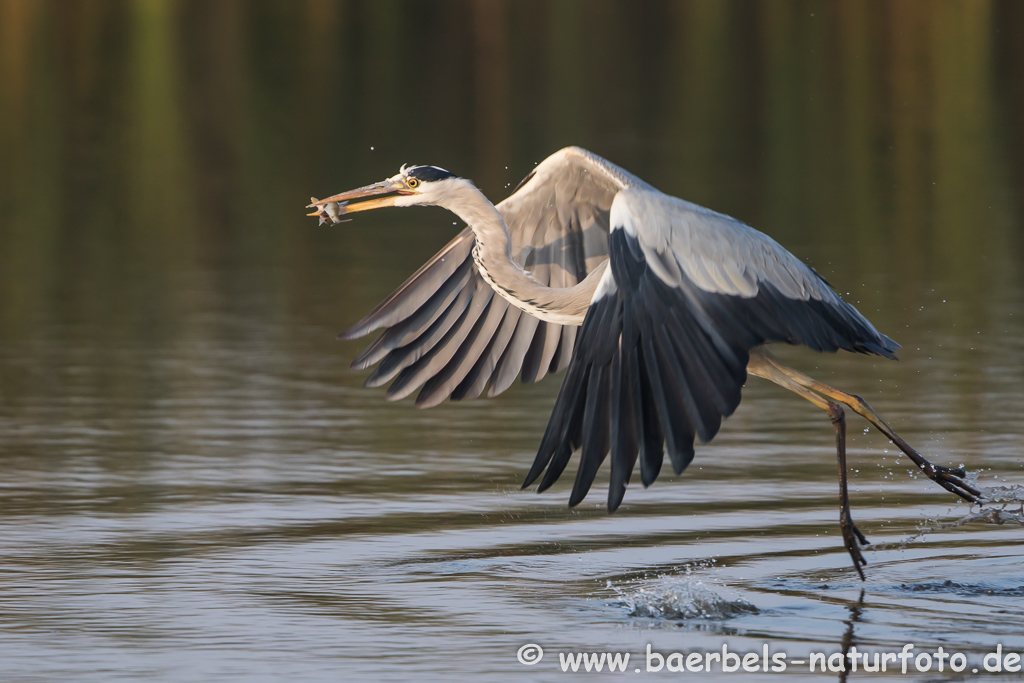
{"x": 657, "y": 309}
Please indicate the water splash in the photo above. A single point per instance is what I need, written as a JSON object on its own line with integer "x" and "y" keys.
{"x": 992, "y": 495}
{"x": 1005, "y": 497}
{"x": 682, "y": 598}
{"x": 989, "y": 515}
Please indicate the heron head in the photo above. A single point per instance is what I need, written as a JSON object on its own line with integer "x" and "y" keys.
{"x": 413, "y": 185}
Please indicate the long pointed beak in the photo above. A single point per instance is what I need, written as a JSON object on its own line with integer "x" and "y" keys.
{"x": 332, "y": 208}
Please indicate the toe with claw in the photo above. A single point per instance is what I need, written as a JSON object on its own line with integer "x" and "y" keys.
{"x": 853, "y": 539}
{"x": 952, "y": 479}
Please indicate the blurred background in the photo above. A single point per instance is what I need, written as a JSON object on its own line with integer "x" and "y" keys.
{"x": 148, "y": 142}
{"x": 170, "y": 386}
{"x": 156, "y": 155}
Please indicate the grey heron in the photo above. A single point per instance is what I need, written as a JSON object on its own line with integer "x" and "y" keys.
{"x": 657, "y": 308}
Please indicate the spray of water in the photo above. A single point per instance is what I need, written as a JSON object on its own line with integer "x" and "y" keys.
{"x": 689, "y": 597}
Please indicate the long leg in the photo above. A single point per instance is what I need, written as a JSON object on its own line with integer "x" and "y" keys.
{"x": 949, "y": 478}
{"x": 761, "y": 366}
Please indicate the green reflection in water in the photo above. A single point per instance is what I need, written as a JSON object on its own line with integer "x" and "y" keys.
{"x": 155, "y": 157}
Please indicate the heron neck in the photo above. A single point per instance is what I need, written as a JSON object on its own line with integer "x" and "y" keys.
{"x": 492, "y": 253}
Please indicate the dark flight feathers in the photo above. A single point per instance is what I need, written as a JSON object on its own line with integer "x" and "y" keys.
{"x": 658, "y": 366}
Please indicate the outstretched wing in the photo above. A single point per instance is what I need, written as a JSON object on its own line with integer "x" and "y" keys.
{"x": 445, "y": 328}
{"x": 664, "y": 347}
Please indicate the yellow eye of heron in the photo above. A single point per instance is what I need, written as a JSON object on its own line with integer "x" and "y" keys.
{"x": 412, "y": 182}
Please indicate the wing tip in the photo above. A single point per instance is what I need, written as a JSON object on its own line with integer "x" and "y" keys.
{"x": 884, "y": 347}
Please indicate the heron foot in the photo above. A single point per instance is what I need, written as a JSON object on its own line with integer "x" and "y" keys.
{"x": 952, "y": 479}
{"x": 853, "y": 539}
